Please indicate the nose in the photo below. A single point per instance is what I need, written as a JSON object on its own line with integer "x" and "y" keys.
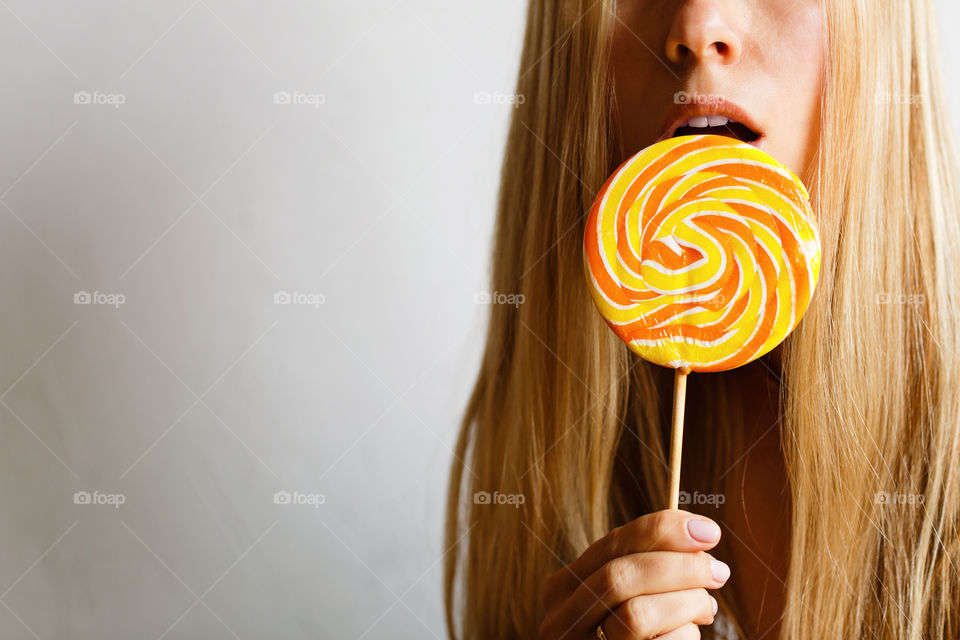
{"x": 703, "y": 31}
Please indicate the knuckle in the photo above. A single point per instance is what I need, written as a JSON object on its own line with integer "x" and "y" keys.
{"x": 639, "y": 615}
{"x": 661, "y": 526}
{"x": 704, "y": 604}
{"x": 611, "y": 543}
{"x": 704, "y": 596}
{"x": 616, "y": 577}
{"x": 688, "y": 632}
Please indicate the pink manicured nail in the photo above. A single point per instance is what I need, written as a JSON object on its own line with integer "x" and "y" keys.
{"x": 719, "y": 570}
{"x": 715, "y": 605}
{"x": 703, "y": 530}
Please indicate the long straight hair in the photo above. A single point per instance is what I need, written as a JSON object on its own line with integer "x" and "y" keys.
{"x": 565, "y": 416}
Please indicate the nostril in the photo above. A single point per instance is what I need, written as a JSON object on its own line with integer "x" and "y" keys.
{"x": 722, "y": 48}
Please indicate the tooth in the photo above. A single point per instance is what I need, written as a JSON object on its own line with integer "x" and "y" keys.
{"x": 699, "y": 122}
{"x": 717, "y": 121}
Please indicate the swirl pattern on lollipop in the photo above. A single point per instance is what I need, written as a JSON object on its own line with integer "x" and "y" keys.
{"x": 702, "y": 252}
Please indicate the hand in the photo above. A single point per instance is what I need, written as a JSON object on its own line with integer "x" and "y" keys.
{"x": 646, "y": 579}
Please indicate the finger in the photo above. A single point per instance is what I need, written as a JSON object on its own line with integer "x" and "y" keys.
{"x": 688, "y": 631}
{"x": 640, "y": 574}
{"x": 667, "y": 530}
{"x": 658, "y": 614}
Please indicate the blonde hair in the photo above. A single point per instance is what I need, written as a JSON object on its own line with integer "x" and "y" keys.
{"x": 565, "y": 415}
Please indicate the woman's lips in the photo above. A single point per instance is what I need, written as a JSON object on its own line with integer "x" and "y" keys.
{"x": 728, "y": 128}
{"x": 697, "y": 113}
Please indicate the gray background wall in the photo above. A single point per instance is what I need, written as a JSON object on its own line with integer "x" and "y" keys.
{"x": 192, "y": 165}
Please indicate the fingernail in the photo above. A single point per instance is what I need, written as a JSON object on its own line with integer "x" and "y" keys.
{"x": 703, "y": 530}
{"x": 719, "y": 570}
{"x": 715, "y": 605}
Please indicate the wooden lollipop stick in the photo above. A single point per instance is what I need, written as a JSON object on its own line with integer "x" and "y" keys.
{"x": 676, "y": 436}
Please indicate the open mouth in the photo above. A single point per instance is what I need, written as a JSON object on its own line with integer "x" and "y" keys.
{"x": 716, "y": 125}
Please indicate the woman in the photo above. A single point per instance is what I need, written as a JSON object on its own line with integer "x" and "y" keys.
{"x": 825, "y": 475}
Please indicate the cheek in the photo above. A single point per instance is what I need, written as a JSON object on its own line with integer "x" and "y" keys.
{"x": 641, "y": 80}
{"x": 636, "y": 96}
{"x": 797, "y": 65}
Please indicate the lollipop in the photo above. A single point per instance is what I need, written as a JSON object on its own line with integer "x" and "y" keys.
{"x": 702, "y": 253}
